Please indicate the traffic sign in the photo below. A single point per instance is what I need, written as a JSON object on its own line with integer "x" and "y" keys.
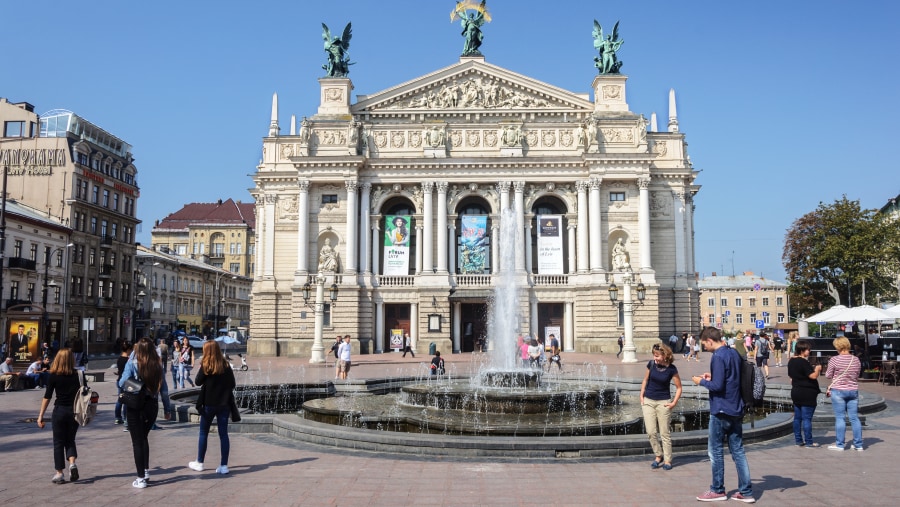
{"x": 756, "y": 286}
{"x": 765, "y": 314}
{"x": 727, "y": 313}
{"x": 760, "y": 324}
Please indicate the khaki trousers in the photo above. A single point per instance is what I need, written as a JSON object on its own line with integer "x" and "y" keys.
{"x": 656, "y": 422}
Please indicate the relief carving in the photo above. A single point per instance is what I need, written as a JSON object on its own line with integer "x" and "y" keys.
{"x": 415, "y": 139}
{"x": 660, "y": 204}
{"x": 548, "y": 137}
{"x": 455, "y": 138}
{"x": 290, "y": 206}
{"x": 473, "y": 138}
{"x": 334, "y": 95}
{"x": 473, "y": 92}
{"x": 617, "y": 135}
{"x": 531, "y": 137}
{"x": 660, "y": 148}
{"x": 332, "y": 137}
{"x": 612, "y": 92}
{"x": 287, "y": 150}
{"x": 490, "y": 138}
{"x": 397, "y": 139}
{"x": 380, "y": 139}
{"x": 566, "y": 138}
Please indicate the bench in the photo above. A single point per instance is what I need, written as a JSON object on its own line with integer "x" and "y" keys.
{"x": 94, "y": 375}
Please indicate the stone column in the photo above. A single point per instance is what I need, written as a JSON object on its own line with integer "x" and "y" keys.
{"x": 378, "y": 346}
{"x": 376, "y": 251}
{"x": 413, "y": 325}
{"x": 571, "y": 230}
{"x": 644, "y": 221}
{"x": 583, "y": 228}
{"x": 569, "y": 332}
{"x": 303, "y": 228}
{"x": 596, "y": 235}
{"x": 365, "y": 223}
{"x": 495, "y": 247}
{"x": 689, "y": 228}
{"x": 519, "y": 188}
{"x": 457, "y": 326}
{"x": 352, "y": 226}
{"x": 503, "y": 191}
{"x": 428, "y": 234}
{"x": 532, "y": 318}
{"x": 419, "y": 248}
{"x": 451, "y": 238}
{"x": 442, "y": 227}
{"x": 679, "y": 233}
{"x": 529, "y": 262}
{"x": 269, "y": 267}
{"x": 260, "y": 238}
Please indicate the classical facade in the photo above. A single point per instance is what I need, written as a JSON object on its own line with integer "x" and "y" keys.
{"x": 83, "y": 176}
{"x": 219, "y": 233}
{"x": 736, "y": 303}
{"x": 396, "y": 201}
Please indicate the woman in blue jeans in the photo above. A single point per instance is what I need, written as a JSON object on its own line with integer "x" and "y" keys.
{"x": 216, "y": 381}
{"x": 804, "y": 391}
{"x": 843, "y": 369}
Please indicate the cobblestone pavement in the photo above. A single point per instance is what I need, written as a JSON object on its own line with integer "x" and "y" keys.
{"x": 269, "y": 470}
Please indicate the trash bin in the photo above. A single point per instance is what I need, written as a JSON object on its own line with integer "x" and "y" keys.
{"x": 363, "y": 345}
{"x": 432, "y": 348}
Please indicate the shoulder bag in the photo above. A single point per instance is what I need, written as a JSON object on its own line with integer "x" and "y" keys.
{"x": 133, "y": 395}
{"x": 828, "y": 391}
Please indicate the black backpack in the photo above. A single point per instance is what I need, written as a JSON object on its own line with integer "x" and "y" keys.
{"x": 753, "y": 385}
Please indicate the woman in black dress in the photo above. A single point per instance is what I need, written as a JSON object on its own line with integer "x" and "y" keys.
{"x": 804, "y": 391}
{"x": 63, "y": 381}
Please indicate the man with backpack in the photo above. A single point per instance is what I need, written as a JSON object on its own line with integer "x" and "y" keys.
{"x": 762, "y": 346}
{"x": 726, "y": 412}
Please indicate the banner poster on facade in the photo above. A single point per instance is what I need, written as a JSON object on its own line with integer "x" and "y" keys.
{"x": 555, "y": 331}
{"x": 23, "y": 344}
{"x": 396, "y": 245}
{"x": 474, "y": 254}
{"x": 549, "y": 245}
{"x": 396, "y": 339}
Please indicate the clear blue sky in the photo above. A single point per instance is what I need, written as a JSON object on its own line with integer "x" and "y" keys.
{"x": 784, "y": 104}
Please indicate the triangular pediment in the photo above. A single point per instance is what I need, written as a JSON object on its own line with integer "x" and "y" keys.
{"x": 472, "y": 85}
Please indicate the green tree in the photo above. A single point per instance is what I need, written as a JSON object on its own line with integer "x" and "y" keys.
{"x": 841, "y": 244}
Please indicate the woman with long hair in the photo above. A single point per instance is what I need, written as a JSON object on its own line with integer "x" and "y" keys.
{"x": 216, "y": 381}
{"x": 804, "y": 391}
{"x": 657, "y": 403}
{"x": 186, "y": 364}
{"x": 63, "y": 380}
{"x": 843, "y": 370}
{"x": 144, "y": 365}
{"x": 176, "y": 363}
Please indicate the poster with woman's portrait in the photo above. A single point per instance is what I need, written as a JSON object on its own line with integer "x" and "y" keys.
{"x": 396, "y": 245}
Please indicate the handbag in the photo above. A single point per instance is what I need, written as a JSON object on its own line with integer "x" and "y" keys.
{"x": 132, "y": 395}
{"x": 828, "y": 391}
{"x": 85, "y": 406}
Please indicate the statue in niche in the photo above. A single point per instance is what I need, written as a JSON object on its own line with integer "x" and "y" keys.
{"x": 620, "y": 255}
{"x": 304, "y": 130}
{"x": 338, "y": 62}
{"x": 471, "y": 24}
{"x": 328, "y": 258}
{"x": 434, "y": 136}
{"x": 606, "y": 62}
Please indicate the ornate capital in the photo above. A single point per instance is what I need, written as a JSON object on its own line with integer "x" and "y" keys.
{"x": 365, "y": 187}
{"x": 581, "y": 186}
{"x": 351, "y": 185}
{"x": 643, "y": 182}
{"x": 595, "y": 183}
{"x": 442, "y": 187}
{"x": 427, "y": 186}
{"x": 503, "y": 186}
{"x": 303, "y": 185}
{"x": 519, "y": 186}
{"x": 271, "y": 198}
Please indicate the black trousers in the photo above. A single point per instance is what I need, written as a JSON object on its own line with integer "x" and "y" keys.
{"x": 64, "y": 430}
{"x": 140, "y": 421}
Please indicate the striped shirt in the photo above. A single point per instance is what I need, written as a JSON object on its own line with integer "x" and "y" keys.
{"x": 844, "y": 378}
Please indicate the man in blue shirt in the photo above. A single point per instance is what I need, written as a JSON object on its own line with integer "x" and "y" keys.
{"x": 726, "y": 412}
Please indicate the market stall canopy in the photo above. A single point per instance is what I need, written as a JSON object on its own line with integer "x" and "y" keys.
{"x": 823, "y": 316}
{"x": 865, "y": 313}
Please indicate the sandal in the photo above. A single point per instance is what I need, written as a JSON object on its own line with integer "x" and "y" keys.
{"x": 667, "y": 466}
{"x": 814, "y": 444}
{"x": 655, "y": 464}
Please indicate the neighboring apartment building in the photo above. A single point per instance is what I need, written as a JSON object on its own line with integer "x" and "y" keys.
{"x": 36, "y": 260}
{"x": 176, "y": 292}
{"x": 735, "y": 303}
{"x": 85, "y": 178}
{"x": 397, "y": 200}
{"x": 219, "y": 233}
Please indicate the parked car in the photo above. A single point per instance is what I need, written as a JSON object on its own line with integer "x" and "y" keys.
{"x": 196, "y": 341}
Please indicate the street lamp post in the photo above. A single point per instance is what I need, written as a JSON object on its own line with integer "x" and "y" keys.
{"x": 318, "y": 348}
{"x": 142, "y": 295}
{"x": 628, "y": 350}
{"x": 219, "y": 300}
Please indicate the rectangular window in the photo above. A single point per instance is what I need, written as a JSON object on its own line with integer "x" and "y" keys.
{"x": 780, "y": 318}
{"x": 251, "y": 249}
{"x": 724, "y": 302}
{"x": 104, "y": 227}
{"x": 33, "y": 256}
{"x": 78, "y": 194}
{"x": 14, "y": 290}
{"x": 752, "y": 318}
{"x": 739, "y": 318}
{"x": 29, "y": 291}
{"x": 114, "y": 232}
{"x": 235, "y": 267}
{"x": 724, "y": 319}
{"x": 711, "y": 320}
{"x": 14, "y": 129}
{"x": 101, "y": 289}
{"x": 57, "y": 293}
{"x": 710, "y": 302}
{"x": 779, "y": 301}
{"x": 59, "y": 258}
{"x": 47, "y": 251}
{"x": 329, "y": 199}
{"x": 738, "y": 302}
{"x": 766, "y": 318}
{"x": 93, "y": 225}
{"x": 95, "y": 195}
{"x": 240, "y": 248}
{"x": 765, "y": 301}
{"x": 616, "y": 196}
{"x": 105, "y": 198}
{"x": 232, "y": 248}
{"x": 17, "y": 248}
{"x": 218, "y": 249}
{"x": 752, "y": 301}
{"x": 92, "y": 256}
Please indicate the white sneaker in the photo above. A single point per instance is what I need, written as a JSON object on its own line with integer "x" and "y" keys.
{"x": 147, "y": 475}
{"x": 834, "y": 447}
{"x": 223, "y": 469}
{"x": 196, "y": 466}
{"x": 139, "y": 483}
{"x": 860, "y": 449}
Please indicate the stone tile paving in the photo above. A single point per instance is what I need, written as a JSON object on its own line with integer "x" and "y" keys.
{"x": 269, "y": 470}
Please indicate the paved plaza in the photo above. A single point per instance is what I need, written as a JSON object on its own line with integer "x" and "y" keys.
{"x": 269, "y": 470}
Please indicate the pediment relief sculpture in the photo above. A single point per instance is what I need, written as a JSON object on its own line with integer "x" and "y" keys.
{"x": 480, "y": 92}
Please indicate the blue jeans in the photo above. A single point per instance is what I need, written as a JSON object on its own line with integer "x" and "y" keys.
{"x": 723, "y": 426}
{"x": 206, "y": 416}
{"x": 803, "y": 425}
{"x": 164, "y": 394}
{"x": 846, "y": 403}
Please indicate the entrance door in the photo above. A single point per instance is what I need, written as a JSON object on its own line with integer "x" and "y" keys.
{"x": 395, "y": 317}
{"x": 551, "y": 314}
{"x": 474, "y": 326}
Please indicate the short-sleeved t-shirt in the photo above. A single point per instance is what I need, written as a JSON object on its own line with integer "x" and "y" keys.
{"x": 804, "y": 390}
{"x": 659, "y": 380}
